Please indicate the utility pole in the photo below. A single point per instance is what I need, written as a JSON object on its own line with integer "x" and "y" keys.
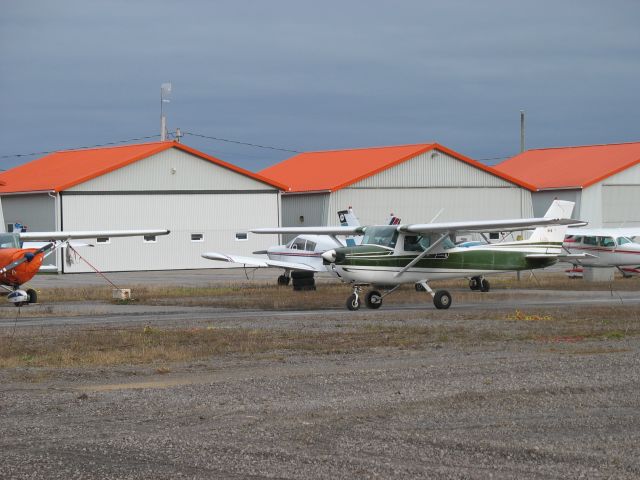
{"x": 165, "y": 92}
{"x": 521, "y": 151}
{"x": 521, "y": 131}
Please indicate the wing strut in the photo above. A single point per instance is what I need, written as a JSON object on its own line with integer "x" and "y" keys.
{"x": 422, "y": 255}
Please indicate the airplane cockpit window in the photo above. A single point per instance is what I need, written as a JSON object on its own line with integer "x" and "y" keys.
{"x": 311, "y": 246}
{"x": 606, "y": 242}
{"x": 9, "y": 240}
{"x": 623, "y": 240}
{"x": 419, "y": 243}
{"x": 298, "y": 243}
{"x": 385, "y": 236}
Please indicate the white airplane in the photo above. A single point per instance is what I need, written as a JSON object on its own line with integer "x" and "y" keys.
{"x": 390, "y": 256}
{"x": 302, "y": 254}
{"x": 604, "y": 247}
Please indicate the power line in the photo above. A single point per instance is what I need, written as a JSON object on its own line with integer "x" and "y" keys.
{"x": 241, "y": 143}
{"x": 494, "y": 158}
{"x": 17, "y": 155}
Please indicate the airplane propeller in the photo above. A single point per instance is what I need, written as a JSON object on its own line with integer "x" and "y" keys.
{"x": 27, "y": 257}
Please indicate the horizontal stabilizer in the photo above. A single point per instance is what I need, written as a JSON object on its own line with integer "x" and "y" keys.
{"x": 561, "y": 256}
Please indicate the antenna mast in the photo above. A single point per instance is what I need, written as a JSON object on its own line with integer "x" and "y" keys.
{"x": 165, "y": 93}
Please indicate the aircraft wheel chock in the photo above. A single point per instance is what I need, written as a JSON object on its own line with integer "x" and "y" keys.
{"x": 484, "y": 285}
{"x": 33, "y": 296}
{"x": 373, "y": 299}
{"x": 442, "y": 300}
{"x": 353, "y": 303}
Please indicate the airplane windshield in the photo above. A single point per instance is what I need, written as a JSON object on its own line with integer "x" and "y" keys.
{"x": 9, "y": 240}
{"x": 385, "y": 236}
{"x": 623, "y": 240}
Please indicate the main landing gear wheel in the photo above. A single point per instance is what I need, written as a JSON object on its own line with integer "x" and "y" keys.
{"x": 373, "y": 299}
{"x": 283, "y": 280}
{"x": 474, "y": 283}
{"x": 353, "y": 302}
{"x": 442, "y": 300}
{"x": 33, "y": 296}
{"x": 484, "y": 285}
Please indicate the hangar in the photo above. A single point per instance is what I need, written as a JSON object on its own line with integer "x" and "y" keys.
{"x": 603, "y": 180}
{"x": 205, "y": 202}
{"x": 415, "y": 182}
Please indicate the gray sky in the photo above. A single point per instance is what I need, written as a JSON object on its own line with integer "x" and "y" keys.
{"x": 311, "y": 75}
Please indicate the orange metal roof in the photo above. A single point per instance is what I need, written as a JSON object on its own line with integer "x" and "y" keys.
{"x": 336, "y": 169}
{"x": 62, "y": 170}
{"x": 571, "y": 167}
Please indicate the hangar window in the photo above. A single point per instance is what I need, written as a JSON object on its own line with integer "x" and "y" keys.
{"x": 149, "y": 239}
{"x": 242, "y": 236}
{"x": 103, "y": 240}
{"x": 197, "y": 237}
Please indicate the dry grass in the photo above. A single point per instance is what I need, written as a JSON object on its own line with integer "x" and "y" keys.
{"x": 164, "y": 346}
{"x": 155, "y": 345}
{"x": 266, "y": 296}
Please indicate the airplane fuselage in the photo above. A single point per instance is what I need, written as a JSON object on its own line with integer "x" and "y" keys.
{"x": 379, "y": 265}
{"x": 23, "y": 272}
{"x": 604, "y": 251}
{"x": 307, "y": 249}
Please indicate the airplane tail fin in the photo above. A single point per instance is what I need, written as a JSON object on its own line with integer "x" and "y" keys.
{"x": 348, "y": 219}
{"x": 393, "y": 220}
{"x": 560, "y": 209}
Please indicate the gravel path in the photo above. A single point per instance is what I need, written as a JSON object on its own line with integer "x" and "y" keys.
{"x": 493, "y": 410}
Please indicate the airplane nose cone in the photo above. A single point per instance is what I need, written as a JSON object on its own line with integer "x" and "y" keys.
{"x": 329, "y": 256}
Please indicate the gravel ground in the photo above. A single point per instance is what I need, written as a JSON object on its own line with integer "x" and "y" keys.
{"x": 519, "y": 409}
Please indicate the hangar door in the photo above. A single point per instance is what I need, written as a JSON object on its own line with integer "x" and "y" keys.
{"x": 620, "y": 205}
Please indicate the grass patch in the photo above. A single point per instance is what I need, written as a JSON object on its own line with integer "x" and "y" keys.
{"x": 155, "y": 345}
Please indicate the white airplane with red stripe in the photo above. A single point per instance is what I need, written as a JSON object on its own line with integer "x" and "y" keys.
{"x": 605, "y": 247}
{"x": 303, "y": 253}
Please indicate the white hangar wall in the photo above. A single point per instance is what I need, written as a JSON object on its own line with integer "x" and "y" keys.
{"x": 417, "y": 189}
{"x": 174, "y": 190}
{"x": 620, "y": 195}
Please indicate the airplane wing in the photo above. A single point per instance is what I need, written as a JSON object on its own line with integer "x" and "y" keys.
{"x": 50, "y": 236}
{"x": 259, "y": 262}
{"x": 486, "y": 225}
{"x": 629, "y": 232}
{"x": 353, "y": 230}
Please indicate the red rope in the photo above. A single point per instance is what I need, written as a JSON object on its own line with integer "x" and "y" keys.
{"x": 94, "y": 268}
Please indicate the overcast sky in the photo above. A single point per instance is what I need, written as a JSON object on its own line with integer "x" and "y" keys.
{"x": 318, "y": 75}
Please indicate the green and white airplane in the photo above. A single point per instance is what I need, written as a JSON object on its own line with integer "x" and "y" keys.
{"x": 392, "y": 255}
